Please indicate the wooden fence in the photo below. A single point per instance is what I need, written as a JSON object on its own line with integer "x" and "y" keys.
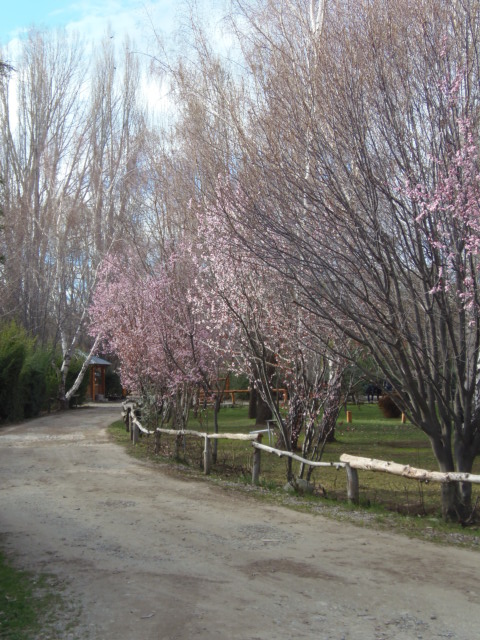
{"x": 233, "y": 393}
{"x": 135, "y": 427}
{"x": 350, "y": 463}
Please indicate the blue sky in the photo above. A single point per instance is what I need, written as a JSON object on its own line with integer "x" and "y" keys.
{"x": 20, "y": 14}
{"x": 141, "y": 20}
{"x": 93, "y": 17}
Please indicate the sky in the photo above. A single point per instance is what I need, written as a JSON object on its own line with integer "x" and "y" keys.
{"x": 141, "y": 20}
{"x": 90, "y": 17}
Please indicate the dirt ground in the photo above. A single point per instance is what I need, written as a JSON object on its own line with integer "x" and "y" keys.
{"x": 142, "y": 554}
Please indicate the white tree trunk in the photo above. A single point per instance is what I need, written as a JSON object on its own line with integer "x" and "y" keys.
{"x": 81, "y": 373}
{"x": 405, "y": 470}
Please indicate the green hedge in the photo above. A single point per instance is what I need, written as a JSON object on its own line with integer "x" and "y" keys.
{"x": 29, "y": 375}
{"x": 15, "y": 346}
{"x": 38, "y": 382}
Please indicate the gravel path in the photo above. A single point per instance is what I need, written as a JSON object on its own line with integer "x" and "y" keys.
{"x": 142, "y": 554}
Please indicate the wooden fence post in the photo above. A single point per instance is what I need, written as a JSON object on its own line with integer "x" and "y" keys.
{"x": 207, "y": 456}
{"x": 131, "y": 426}
{"x": 353, "y": 492}
{"x": 135, "y": 433}
{"x": 157, "y": 441}
{"x": 256, "y": 462}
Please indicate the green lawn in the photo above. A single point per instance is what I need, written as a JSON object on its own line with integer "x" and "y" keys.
{"x": 370, "y": 435}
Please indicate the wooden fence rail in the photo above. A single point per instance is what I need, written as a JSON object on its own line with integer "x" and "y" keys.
{"x": 352, "y": 476}
{"x": 135, "y": 427}
{"x": 233, "y": 392}
{"x": 405, "y": 470}
{"x": 348, "y": 462}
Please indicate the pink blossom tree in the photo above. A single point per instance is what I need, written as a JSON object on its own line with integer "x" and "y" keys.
{"x": 361, "y": 188}
{"x": 448, "y": 217}
{"x": 145, "y": 316}
{"x": 263, "y": 330}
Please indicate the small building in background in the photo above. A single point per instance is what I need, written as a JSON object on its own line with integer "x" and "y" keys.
{"x": 96, "y": 386}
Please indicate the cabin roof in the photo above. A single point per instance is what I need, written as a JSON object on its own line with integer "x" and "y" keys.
{"x": 96, "y": 360}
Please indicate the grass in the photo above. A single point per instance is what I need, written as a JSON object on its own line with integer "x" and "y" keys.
{"x": 373, "y": 436}
{"x": 29, "y": 604}
{"x": 370, "y": 435}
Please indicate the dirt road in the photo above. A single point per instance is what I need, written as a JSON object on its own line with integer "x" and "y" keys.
{"x": 149, "y": 556}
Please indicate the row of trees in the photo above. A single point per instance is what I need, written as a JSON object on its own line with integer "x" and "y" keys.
{"x": 69, "y": 141}
{"x": 369, "y": 198}
{"x": 344, "y": 227}
{"x": 311, "y": 210}
{"x": 180, "y": 326}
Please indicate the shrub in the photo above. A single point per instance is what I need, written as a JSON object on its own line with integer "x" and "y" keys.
{"x": 27, "y": 375}
{"x": 37, "y": 382}
{"x": 15, "y": 344}
{"x": 238, "y": 381}
{"x": 113, "y": 385}
{"x": 388, "y": 407}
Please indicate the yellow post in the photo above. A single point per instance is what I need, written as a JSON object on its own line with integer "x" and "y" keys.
{"x": 349, "y": 417}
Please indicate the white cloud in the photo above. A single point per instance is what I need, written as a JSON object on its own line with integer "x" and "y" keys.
{"x": 120, "y": 18}
{"x": 142, "y": 22}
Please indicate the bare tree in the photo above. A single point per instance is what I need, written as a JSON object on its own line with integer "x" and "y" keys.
{"x": 116, "y": 136}
{"x": 5, "y": 68}
{"x": 39, "y": 113}
{"x": 383, "y": 109}
{"x": 114, "y": 132}
{"x": 70, "y": 160}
